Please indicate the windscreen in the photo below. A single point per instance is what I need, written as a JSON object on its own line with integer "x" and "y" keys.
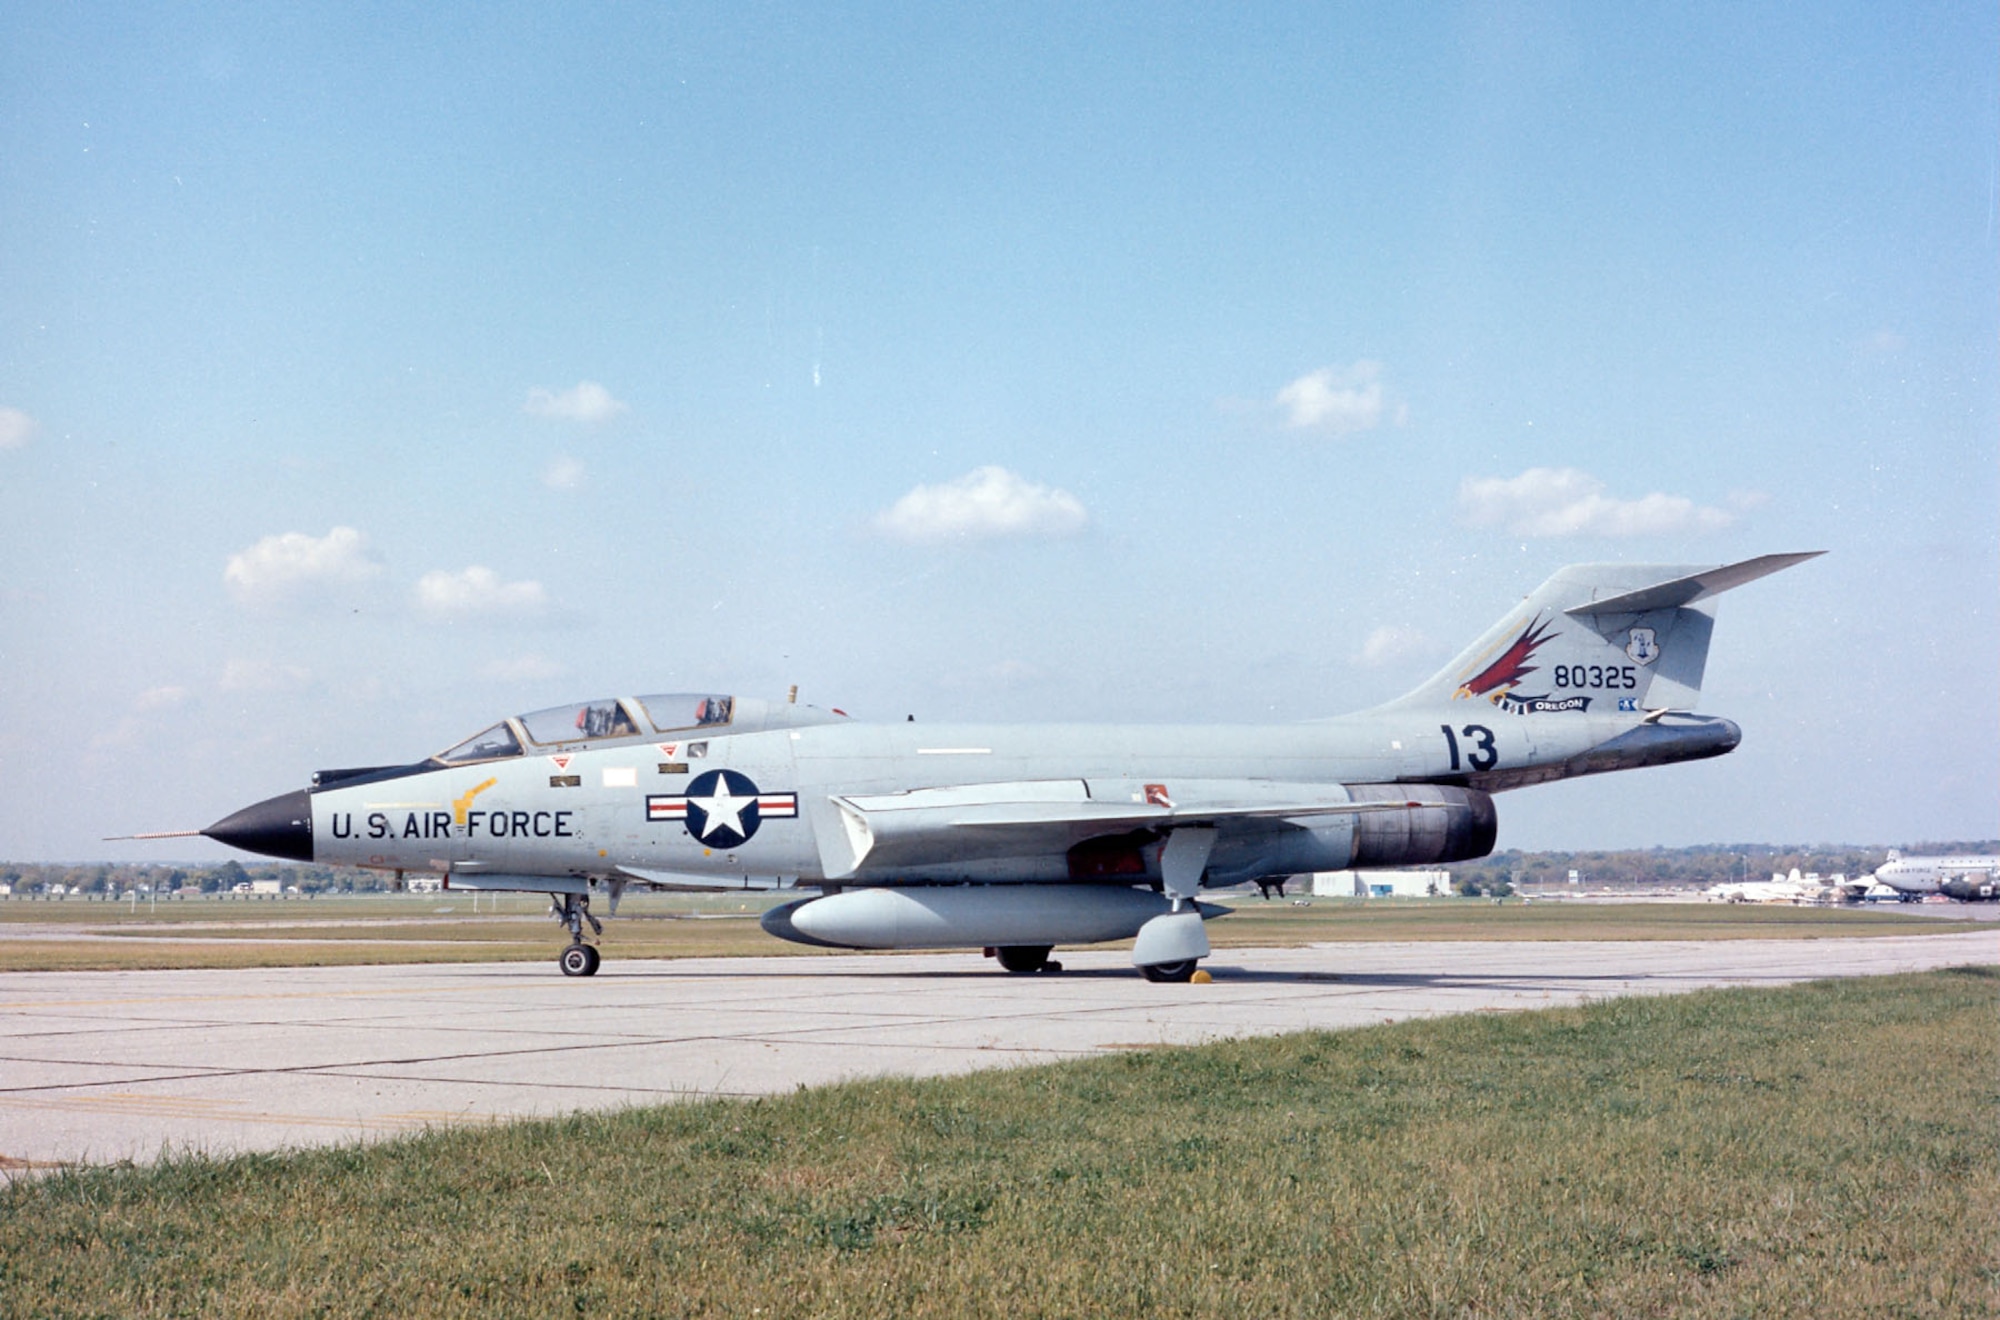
{"x": 487, "y": 745}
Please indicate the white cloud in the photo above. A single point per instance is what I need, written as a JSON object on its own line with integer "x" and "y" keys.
{"x": 586, "y": 401}
{"x": 1392, "y": 644}
{"x": 160, "y": 698}
{"x": 522, "y": 669}
{"x": 1334, "y": 399}
{"x": 281, "y": 568}
{"x": 563, "y": 473}
{"x": 477, "y": 592}
{"x": 986, "y": 503}
{"x": 16, "y": 428}
{"x": 1548, "y": 502}
{"x": 263, "y": 676}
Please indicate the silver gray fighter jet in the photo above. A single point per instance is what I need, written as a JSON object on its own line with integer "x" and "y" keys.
{"x": 1019, "y": 838}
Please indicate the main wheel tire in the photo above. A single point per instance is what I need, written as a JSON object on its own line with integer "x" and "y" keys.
{"x": 1182, "y": 970}
{"x": 577, "y": 960}
{"x": 1024, "y": 957}
{"x": 595, "y": 959}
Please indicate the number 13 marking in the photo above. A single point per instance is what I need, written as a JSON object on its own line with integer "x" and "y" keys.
{"x": 1482, "y": 754}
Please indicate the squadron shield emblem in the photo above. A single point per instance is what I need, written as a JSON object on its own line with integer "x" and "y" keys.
{"x": 1641, "y": 646}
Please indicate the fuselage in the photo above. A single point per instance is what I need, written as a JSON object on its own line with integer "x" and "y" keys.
{"x": 759, "y": 803}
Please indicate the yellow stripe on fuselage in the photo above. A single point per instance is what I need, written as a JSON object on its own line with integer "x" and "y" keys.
{"x": 459, "y": 805}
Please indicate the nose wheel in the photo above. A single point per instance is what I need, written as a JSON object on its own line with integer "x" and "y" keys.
{"x": 579, "y": 959}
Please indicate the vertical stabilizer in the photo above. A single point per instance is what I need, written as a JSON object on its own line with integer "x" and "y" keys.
{"x": 1599, "y": 638}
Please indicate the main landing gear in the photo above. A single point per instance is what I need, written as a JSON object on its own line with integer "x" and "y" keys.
{"x": 1172, "y": 943}
{"x": 1024, "y": 958}
{"x": 572, "y": 910}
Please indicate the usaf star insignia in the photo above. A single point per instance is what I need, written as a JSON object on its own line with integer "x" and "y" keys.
{"x": 721, "y": 808}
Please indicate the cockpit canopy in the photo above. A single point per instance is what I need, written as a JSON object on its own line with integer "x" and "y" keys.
{"x": 561, "y": 728}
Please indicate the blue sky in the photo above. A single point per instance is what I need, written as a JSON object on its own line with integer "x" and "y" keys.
{"x": 368, "y": 372}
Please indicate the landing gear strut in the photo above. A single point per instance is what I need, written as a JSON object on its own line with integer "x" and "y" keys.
{"x": 1172, "y": 943}
{"x": 572, "y": 910}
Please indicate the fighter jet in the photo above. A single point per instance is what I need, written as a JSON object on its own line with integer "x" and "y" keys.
{"x": 1019, "y": 838}
{"x": 1966, "y": 877}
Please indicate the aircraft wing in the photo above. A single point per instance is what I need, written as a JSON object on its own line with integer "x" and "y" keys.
{"x": 967, "y": 821}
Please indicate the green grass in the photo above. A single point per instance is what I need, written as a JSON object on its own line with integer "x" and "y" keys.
{"x": 1822, "y": 1150}
{"x": 419, "y": 928}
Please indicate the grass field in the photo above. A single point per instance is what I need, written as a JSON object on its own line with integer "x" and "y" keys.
{"x": 1823, "y": 1150}
{"x": 410, "y": 928}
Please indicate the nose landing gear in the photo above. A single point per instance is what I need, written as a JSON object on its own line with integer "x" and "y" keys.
{"x": 579, "y": 959}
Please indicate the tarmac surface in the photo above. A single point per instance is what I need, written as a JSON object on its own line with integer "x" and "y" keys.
{"x": 103, "y": 1066}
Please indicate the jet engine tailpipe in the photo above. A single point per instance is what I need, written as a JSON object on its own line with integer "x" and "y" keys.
{"x": 1463, "y": 826}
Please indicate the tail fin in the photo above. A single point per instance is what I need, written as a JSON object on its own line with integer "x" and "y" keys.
{"x": 1599, "y": 637}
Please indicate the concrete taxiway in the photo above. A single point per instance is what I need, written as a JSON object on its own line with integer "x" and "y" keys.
{"x": 101, "y": 1066}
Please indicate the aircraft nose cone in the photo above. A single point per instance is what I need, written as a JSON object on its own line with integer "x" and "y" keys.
{"x": 277, "y": 827}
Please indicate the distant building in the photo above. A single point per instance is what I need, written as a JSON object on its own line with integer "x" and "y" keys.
{"x": 267, "y": 887}
{"x": 424, "y": 884}
{"x": 1381, "y": 884}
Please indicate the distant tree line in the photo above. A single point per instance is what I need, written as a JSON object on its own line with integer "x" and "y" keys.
{"x": 113, "y": 879}
{"x": 1692, "y": 867}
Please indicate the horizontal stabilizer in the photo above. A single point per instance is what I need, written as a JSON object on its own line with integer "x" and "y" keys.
{"x": 1694, "y": 587}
